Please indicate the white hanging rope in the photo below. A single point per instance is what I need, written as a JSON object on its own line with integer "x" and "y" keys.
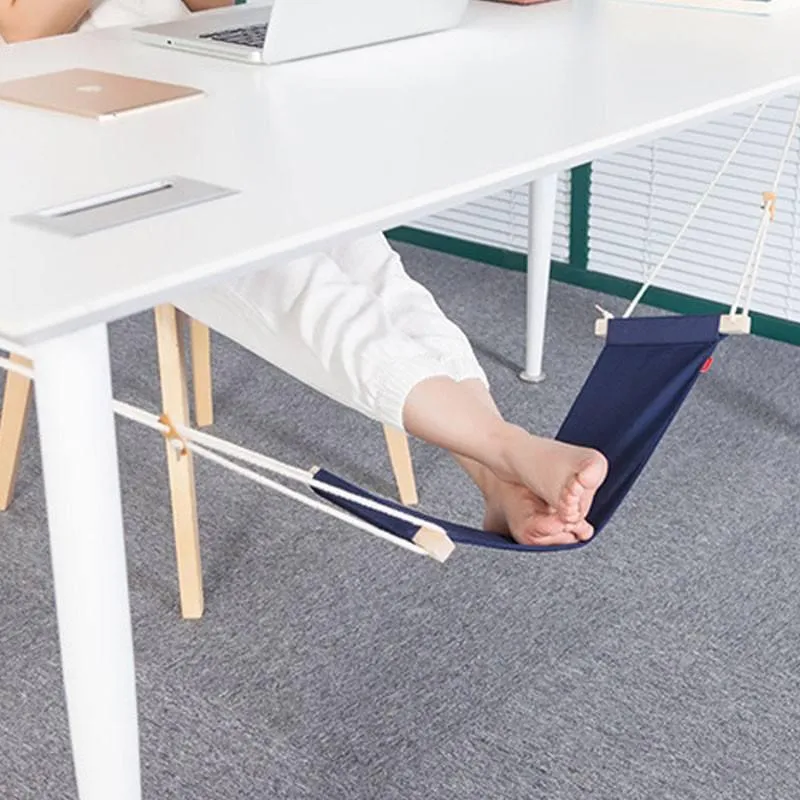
{"x": 711, "y": 186}
{"x": 743, "y": 283}
{"x": 12, "y": 366}
{"x": 306, "y": 500}
{"x": 768, "y": 215}
{"x": 152, "y": 421}
{"x": 10, "y": 347}
{"x": 750, "y": 275}
{"x": 192, "y": 438}
{"x": 205, "y": 445}
{"x": 756, "y": 265}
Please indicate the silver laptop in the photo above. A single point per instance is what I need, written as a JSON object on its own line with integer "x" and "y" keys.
{"x": 291, "y": 29}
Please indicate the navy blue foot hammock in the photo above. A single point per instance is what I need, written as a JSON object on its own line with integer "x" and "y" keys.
{"x": 641, "y": 379}
{"x": 639, "y": 382}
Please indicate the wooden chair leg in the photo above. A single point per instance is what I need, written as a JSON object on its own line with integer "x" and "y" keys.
{"x": 201, "y": 374}
{"x": 400, "y": 456}
{"x": 175, "y": 400}
{"x": 16, "y": 399}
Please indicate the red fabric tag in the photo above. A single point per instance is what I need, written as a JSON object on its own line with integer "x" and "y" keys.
{"x": 707, "y": 366}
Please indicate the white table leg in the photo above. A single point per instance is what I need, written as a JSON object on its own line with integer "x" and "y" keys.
{"x": 79, "y": 456}
{"x": 541, "y": 219}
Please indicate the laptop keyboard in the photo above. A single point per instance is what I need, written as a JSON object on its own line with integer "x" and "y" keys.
{"x": 249, "y": 36}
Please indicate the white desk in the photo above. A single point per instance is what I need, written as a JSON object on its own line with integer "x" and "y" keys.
{"x": 319, "y": 150}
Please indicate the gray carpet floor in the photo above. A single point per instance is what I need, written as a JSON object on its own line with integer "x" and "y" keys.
{"x": 661, "y": 662}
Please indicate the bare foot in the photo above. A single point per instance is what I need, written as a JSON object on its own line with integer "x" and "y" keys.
{"x": 564, "y": 476}
{"x": 462, "y": 418}
{"x": 515, "y": 510}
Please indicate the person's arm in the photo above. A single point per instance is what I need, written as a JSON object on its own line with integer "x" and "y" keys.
{"x": 32, "y": 19}
{"x": 205, "y": 5}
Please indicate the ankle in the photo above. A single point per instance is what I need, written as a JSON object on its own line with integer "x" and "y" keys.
{"x": 503, "y": 450}
{"x": 478, "y": 473}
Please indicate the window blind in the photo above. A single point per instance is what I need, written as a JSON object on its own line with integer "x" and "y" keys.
{"x": 640, "y": 198}
{"x": 501, "y": 220}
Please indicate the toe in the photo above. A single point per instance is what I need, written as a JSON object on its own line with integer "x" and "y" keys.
{"x": 593, "y": 471}
{"x": 541, "y": 526}
{"x": 550, "y": 529}
{"x": 569, "y": 509}
{"x": 589, "y": 478}
{"x": 583, "y": 531}
{"x": 562, "y": 537}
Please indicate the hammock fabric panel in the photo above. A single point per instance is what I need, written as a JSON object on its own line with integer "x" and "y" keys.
{"x": 639, "y": 382}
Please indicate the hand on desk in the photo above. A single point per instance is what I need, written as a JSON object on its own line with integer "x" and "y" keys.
{"x": 36, "y": 19}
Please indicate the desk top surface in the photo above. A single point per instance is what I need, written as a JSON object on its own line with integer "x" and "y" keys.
{"x": 348, "y": 143}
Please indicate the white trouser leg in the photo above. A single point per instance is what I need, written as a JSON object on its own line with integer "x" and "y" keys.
{"x": 346, "y": 337}
{"x": 411, "y": 307}
{"x": 81, "y": 477}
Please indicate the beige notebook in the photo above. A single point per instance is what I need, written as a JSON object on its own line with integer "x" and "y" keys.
{"x": 89, "y": 93}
